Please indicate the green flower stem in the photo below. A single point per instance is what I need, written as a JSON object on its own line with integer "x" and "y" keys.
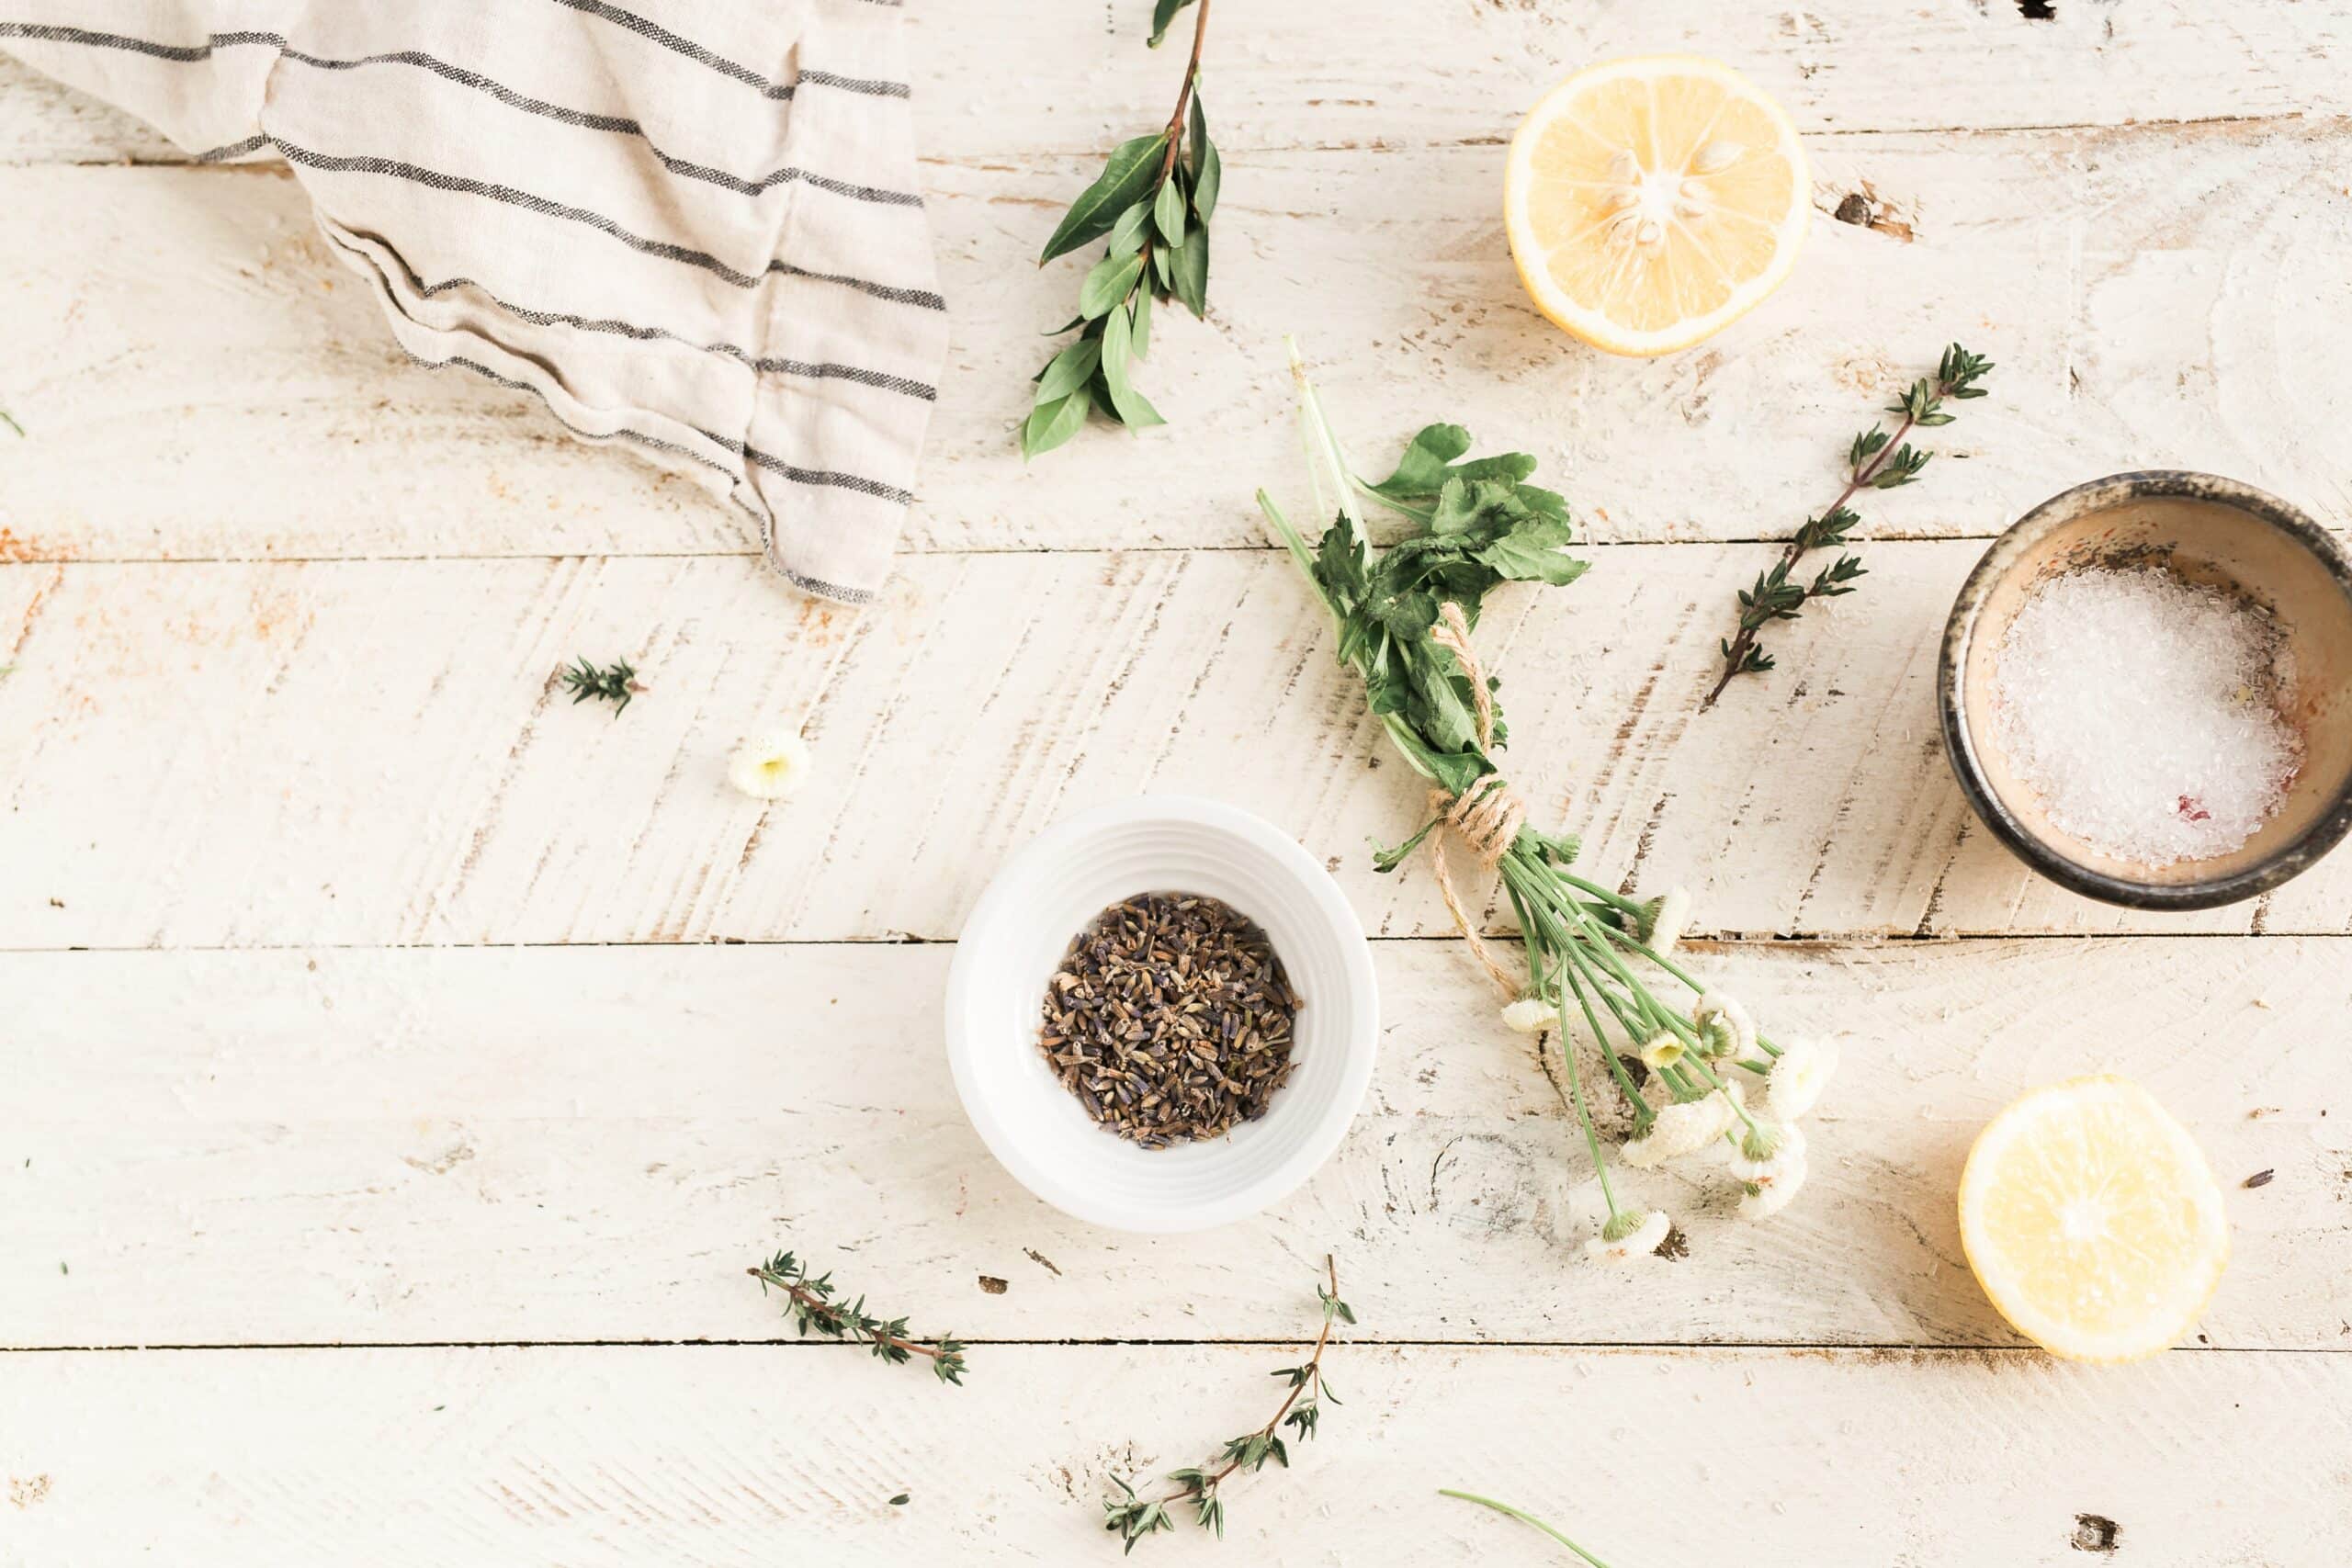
{"x": 1524, "y": 1518}
{"x": 1616, "y": 1067}
{"x": 1592, "y": 1138}
{"x": 1634, "y": 944}
{"x": 1607, "y": 896}
{"x": 1708, "y": 1073}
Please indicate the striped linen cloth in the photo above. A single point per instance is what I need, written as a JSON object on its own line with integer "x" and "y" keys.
{"x": 697, "y": 231}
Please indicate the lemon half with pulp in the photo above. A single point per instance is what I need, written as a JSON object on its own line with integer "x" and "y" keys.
{"x": 1651, "y": 201}
{"x": 2093, "y": 1221}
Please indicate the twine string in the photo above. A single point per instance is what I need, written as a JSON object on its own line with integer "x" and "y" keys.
{"x": 1489, "y": 816}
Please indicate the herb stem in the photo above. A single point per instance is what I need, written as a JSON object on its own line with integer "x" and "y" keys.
{"x": 1862, "y": 476}
{"x": 1313, "y": 1378}
{"x": 1184, "y": 94}
{"x": 1525, "y": 1519}
{"x": 813, "y": 1309}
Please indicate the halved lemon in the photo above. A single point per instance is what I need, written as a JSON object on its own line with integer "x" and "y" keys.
{"x": 2093, "y": 1221}
{"x": 1651, "y": 201}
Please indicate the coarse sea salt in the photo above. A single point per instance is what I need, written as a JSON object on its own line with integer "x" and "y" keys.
{"x": 2143, "y": 711}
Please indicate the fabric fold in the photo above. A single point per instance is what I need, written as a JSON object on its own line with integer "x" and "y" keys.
{"x": 702, "y": 237}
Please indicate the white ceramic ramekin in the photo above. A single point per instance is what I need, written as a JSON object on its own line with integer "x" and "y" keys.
{"x": 1014, "y": 939}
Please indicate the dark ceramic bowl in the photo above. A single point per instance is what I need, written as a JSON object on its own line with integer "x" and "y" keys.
{"x": 2209, "y": 530}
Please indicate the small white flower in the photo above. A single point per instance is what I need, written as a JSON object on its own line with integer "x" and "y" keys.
{"x": 1628, "y": 1237}
{"x": 1680, "y": 1129}
{"x": 1768, "y": 1152}
{"x": 1798, "y": 1077}
{"x": 1761, "y": 1202}
{"x": 772, "y": 767}
{"x": 1664, "y": 919}
{"x": 1724, "y": 1029}
{"x": 1530, "y": 1015}
{"x": 1660, "y": 1051}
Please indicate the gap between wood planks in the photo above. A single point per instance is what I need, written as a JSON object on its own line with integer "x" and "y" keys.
{"x": 1859, "y": 1349}
{"x": 1827, "y": 943}
{"x": 997, "y": 158}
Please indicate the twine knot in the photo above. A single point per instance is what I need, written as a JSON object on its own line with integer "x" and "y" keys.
{"x": 1489, "y": 814}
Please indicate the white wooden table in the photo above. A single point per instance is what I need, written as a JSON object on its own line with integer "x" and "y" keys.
{"x": 399, "y": 1065}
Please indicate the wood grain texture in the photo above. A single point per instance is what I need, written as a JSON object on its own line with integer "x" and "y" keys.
{"x": 1008, "y": 78}
{"x": 754, "y": 1456}
{"x": 501, "y": 1145}
{"x": 276, "y": 418}
{"x": 191, "y": 752}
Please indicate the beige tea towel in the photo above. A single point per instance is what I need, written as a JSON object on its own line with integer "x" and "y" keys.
{"x": 693, "y": 229}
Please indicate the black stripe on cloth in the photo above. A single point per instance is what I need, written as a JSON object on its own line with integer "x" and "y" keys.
{"x": 767, "y": 533}
{"x": 38, "y": 32}
{"x": 656, "y": 33}
{"x": 395, "y": 168}
{"x": 234, "y": 150}
{"x": 924, "y": 298}
{"x": 814, "y": 370}
{"x": 585, "y": 119}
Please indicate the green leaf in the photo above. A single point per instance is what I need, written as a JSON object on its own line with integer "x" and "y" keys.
{"x": 1209, "y": 169}
{"x": 1127, "y": 233}
{"x": 1168, "y": 212}
{"x": 1050, "y": 424}
{"x": 1164, "y": 12}
{"x": 1532, "y": 553}
{"x": 1107, "y": 285}
{"x": 1133, "y": 408}
{"x": 1143, "y": 323}
{"x": 1126, "y": 180}
{"x": 1192, "y": 267}
{"x": 1068, "y": 371}
{"x": 1430, "y": 461}
{"x": 1163, "y": 262}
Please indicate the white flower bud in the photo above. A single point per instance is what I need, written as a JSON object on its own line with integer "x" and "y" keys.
{"x": 1660, "y": 1051}
{"x": 1628, "y": 1236}
{"x": 1761, "y": 1200}
{"x": 1724, "y": 1029}
{"x": 1798, "y": 1077}
{"x": 771, "y": 768}
{"x": 1663, "y": 920}
{"x": 1768, "y": 1151}
{"x": 1529, "y": 1016}
{"x": 1681, "y": 1129}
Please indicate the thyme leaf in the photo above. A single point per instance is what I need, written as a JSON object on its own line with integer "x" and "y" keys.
{"x": 1132, "y": 1516}
{"x": 811, "y": 1302}
{"x": 1876, "y": 460}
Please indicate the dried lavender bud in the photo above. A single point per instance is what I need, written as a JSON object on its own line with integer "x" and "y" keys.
{"x": 1169, "y": 1020}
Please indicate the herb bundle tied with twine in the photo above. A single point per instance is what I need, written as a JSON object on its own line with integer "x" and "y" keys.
{"x": 1405, "y": 618}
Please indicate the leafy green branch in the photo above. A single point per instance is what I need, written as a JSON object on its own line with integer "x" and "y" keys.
{"x": 1876, "y": 460}
{"x": 1153, "y": 200}
{"x": 1134, "y": 1516}
{"x": 811, "y": 1303}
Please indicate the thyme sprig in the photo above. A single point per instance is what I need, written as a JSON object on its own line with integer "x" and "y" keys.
{"x": 615, "y": 685}
{"x": 1132, "y": 1516}
{"x": 1876, "y": 460}
{"x": 810, "y": 1301}
{"x": 1154, "y": 199}
{"x": 10, "y": 421}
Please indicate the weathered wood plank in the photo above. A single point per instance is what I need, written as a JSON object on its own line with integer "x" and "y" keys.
{"x": 199, "y": 334}
{"x": 1392, "y": 73}
{"x": 751, "y": 1456}
{"x": 395, "y": 1147}
{"x": 191, "y": 752}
